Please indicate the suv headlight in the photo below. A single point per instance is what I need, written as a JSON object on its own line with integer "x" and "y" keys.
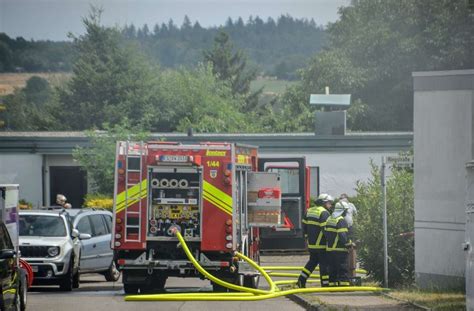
{"x": 53, "y": 251}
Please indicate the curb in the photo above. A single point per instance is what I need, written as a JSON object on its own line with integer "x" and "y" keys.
{"x": 304, "y": 303}
{"x": 413, "y": 304}
{"x": 321, "y": 307}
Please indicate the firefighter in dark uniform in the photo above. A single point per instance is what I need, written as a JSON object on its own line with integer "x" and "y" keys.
{"x": 313, "y": 228}
{"x": 338, "y": 242}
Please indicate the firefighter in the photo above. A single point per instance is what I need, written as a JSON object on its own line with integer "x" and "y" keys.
{"x": 313, "y": 228}
{"x": 345, "y": 206}
{"x": 351, "y": 212}
{"x": 338, "y": 243}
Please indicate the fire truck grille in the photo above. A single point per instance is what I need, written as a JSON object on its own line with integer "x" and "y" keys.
{"x": 34, "y": 251}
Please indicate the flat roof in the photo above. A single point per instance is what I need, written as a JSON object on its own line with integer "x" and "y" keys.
{"x": 449, "y": 80}
{"x": 65, "y": 142}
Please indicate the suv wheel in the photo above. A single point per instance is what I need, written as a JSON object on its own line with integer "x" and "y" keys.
{"x": 23, "y": 295}
{"x": 68, "y": 279}
{"x": 113, "y": 274}
{"x": 76, "y": 280}
{"x": 17, "y": 306}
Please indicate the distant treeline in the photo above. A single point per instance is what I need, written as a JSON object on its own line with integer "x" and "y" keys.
{"x": 34, "y": 56}
{"x": 274, "y": 47}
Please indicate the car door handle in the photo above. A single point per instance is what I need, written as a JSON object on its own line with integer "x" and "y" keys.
{"x": 94, "y": 245}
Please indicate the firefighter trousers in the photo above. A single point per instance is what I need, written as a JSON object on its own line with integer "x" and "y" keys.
{"x": 316, "y": 257}
{"x": 338, "y": 268}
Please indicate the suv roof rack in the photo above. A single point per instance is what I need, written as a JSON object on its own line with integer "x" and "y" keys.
{"x": 52, "y": 208}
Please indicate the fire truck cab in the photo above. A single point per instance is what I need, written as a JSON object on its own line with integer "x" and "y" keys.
{"x": 211, "y": 192}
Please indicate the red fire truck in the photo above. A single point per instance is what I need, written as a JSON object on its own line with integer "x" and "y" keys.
{"x": 211, "y": 192}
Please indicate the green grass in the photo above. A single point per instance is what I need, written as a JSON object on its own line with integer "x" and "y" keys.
{"x": 435, "y": 300}
{"x": 270, "y": 85}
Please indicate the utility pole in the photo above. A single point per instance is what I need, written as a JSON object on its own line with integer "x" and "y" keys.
{"x": 385, "y": 235}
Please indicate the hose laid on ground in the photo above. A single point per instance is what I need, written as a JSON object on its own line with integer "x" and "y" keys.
{"x": 296, "y": 268}
{"x": 267, "y": 277}
{"x": 290, "y": 282}
{"x": 213, "y": 278}
{"x": 291, "y": 275}
{"x": 246, "y": 294}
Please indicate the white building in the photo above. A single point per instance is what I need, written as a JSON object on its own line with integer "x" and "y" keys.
{"x": 443, "y": 146}
{"x": 42, "y": 163}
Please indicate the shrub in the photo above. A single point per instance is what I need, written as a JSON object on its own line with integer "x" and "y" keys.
{"x": 99, "y": 201}
{"x": 400, "y": 219}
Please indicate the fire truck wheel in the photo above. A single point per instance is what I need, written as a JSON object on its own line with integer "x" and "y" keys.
{"x": 218, "y": 288}
{"x": 251, "y": 281}
{"x": 221, "y": 289}
{"x": 157, "y": 285}
{"x": 130, "y": 289}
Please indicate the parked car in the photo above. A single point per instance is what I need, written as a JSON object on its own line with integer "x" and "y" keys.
{"x": 51, "y": 246}
{"x": 96, "y": 253}
{"x": 12, "y": 277}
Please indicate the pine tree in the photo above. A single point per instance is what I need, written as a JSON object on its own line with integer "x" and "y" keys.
{"x": 232, "y": 67}
{"x": 229, "y": 65}
{"x": 111, "y": 81}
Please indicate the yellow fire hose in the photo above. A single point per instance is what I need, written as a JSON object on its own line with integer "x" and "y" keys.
{"x": 289, "y": 282}
{"x": 290, "y": 275}
{"x": 269, "y": 280}
{"x": 246, "y": 293}
{"x": 296, "y": 268}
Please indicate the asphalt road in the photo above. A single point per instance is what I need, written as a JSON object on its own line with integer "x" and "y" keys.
{"x": 97, "y": 294}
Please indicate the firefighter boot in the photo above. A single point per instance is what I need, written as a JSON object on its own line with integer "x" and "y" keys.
{"x": 301, "y": 283}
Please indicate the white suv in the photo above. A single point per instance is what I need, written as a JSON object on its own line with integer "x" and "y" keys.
{"x": 51, "y": 246}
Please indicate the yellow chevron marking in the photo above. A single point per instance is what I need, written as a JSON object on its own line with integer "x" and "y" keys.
{"x": 218, "y": 194}
{"x": 134, "y": 195}
{"x": 216, "y": 203}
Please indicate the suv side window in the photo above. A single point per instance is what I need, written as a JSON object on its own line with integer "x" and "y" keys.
{"x": 84, "y": 225}
{"x": 5, "y": 242}
{"x": 98, "y": 225}
{"x": 108, "y": 222}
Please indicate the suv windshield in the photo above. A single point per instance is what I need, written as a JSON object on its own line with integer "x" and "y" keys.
{"x": 41, "y": 225}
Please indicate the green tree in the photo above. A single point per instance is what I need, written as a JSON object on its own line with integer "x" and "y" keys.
{"x": 37, "y": 90}
{"x": 231, "y": 67}
{"x": 376, "y": 45}
{"x": 33, "y": 108}
{"x": 400, "y": 219}
{"x": 111, "y": 80}
{"x": 98, "y": 159}
{"x": 197, "y": 99}
{"x": 6, "y": 57}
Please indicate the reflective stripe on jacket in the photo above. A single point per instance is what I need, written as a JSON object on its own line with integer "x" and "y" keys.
{"x": 313, "y": 227}
{"x": 336, "y": 234}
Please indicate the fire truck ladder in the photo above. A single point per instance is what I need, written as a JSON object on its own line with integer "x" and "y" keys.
{"x": 132, "y": 226}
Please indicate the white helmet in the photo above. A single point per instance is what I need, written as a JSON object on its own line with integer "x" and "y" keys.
{"x": 340, "y": 208}
{"x": 324, "y": 197}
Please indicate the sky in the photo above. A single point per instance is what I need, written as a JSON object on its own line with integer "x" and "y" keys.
{"x": 54, "y": 19}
